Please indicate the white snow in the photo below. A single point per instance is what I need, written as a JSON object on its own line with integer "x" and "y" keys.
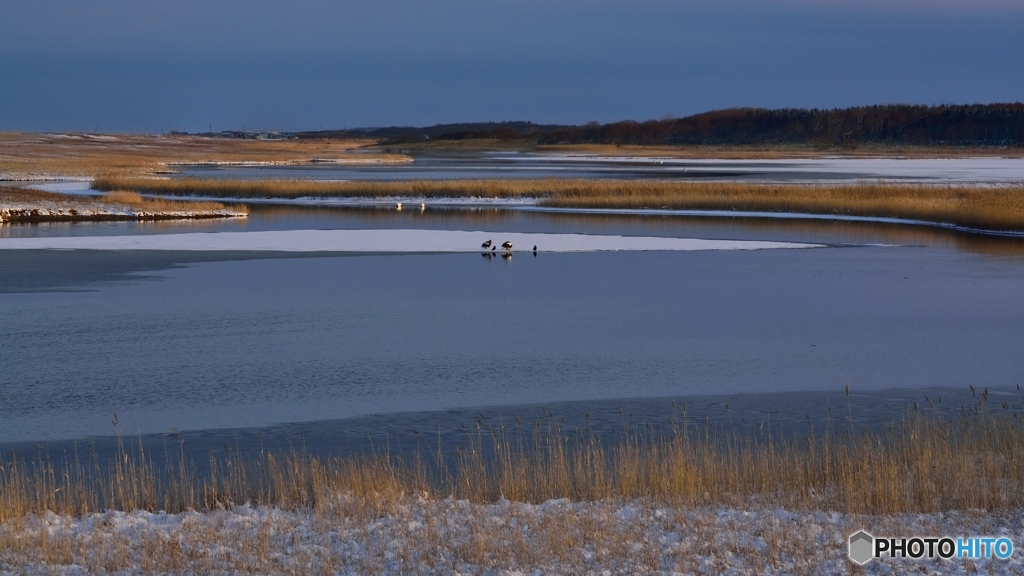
{"x": 382, "y": 241}
{"x": 430, "y": 536}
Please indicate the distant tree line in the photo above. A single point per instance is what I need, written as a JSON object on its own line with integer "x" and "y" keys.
{"x": 947, "y": 125}
{"x": 461, "y": 131}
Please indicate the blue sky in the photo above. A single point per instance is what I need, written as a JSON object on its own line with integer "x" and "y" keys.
{"x": 130, "y": 65}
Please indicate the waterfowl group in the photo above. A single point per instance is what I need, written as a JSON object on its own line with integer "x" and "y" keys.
{"x": 506, "y": 246}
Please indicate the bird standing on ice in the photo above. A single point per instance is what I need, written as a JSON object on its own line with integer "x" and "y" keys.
{"x": 507, "y": 246}
{"x": 486, "y": 245}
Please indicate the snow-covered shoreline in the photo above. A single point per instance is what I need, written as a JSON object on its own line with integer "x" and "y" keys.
{"x": 350, "y": 535}
{"x": 108, "y": 213}
{"x": 17, "y": 205}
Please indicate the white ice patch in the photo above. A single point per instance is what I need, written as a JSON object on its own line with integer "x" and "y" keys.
{"x": 383, "y": 241}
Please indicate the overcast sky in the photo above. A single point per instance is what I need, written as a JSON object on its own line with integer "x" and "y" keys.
{"x": 131, "y": 65}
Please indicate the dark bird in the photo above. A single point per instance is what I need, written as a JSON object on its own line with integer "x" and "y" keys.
{"x": 534, "y": 248}
{"x": 486, "y": 244}
{"x": 493, "y": 248}
{"x": 507, "y": 245}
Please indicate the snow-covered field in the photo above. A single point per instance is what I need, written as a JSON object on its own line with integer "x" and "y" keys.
{"x": 383, "y": 241}
{"x": 427, "y": 536}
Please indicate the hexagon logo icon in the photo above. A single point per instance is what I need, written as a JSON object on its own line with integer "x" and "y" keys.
{"x": 861, "y": 545}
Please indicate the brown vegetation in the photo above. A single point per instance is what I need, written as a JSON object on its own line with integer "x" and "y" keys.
{"x": 924, "y": 462}
{"x": 986, "y": 208}
{"x": 26, "y": 156}
{"x": 136, "y": 201}
{"x": 714, "y": 484}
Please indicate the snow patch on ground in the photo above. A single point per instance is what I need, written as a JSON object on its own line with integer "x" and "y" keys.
{"x": 384, "y": 241}
{"x": 423, "y": 536}
{"x": 72, "y": 206}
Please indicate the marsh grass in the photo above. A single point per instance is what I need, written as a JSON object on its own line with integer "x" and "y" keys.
{"x": 607, "y": 502}
{"x": 924, "y": 462}
{"x": 138, "y": 202}
{"x": 975, "y": 207}
{"x": 25, "y": 155}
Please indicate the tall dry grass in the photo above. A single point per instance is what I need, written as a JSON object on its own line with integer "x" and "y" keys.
{"x": 924, "y": 462}
{"x": 138, "y": 202}
{"x": 27, "y": 154}
{"x": 988, "y": 208}
{"x": 223, "y": 188}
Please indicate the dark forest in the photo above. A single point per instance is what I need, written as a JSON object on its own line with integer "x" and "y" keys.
{"x": 896, "y": 124}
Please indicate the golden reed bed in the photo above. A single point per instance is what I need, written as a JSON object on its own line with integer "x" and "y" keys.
{"x": 730, "y": 497}
{"x": 924, "y": 462}
{"x": 984, "y": 208}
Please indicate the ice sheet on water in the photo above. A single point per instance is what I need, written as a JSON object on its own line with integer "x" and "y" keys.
{"x": 385, "y": 241}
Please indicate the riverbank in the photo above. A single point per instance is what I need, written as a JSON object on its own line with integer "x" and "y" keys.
{"x": 995, "y": 208}
{"x": 924, "y": 462}
{"x": 700, "y": 498}
{"x": 23, "y": 205}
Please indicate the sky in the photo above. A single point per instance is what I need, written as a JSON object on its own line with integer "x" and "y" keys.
{"x": 195, "y": 65}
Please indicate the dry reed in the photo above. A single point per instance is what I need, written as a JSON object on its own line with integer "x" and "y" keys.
{"x": 137, "y": 202}
{"x": 697, "y": 498}
{"x": 986, "y": 208}
{"x": 922, "y": 463}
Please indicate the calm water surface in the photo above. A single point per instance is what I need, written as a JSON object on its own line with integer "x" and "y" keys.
{"x": 241, "y": 341}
